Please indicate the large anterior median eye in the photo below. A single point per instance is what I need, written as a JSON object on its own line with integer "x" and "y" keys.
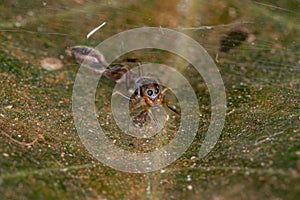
{"x": 149, "y": 92}
{"x": 156, "y": 91}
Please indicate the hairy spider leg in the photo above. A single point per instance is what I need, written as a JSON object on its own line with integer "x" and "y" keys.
{"x": 140, "y": 67}
{"x": 127, "y": 80}
{"x": 151, "y": 115}
{"x": 170, "y": 108}
{"x": 164, "y": 90}
{"x": 123, "y": 95}
{"x": 166, "y": 103}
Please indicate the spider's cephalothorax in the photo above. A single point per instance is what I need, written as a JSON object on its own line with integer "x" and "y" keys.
{"x": 148, "y": 94}
{"x": 149, "y": 90}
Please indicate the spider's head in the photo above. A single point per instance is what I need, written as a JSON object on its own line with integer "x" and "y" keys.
{"x": 152, "y": 91}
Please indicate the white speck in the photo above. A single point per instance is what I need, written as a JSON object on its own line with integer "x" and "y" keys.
{"x": 189, "y": 187}
{"x": 94, "y": 30}
{"x": 18, "y": 24}
{"x": 8, "y": 107}
{"x": 90, "y": 130}
{"x": 193, "y": 165}
{"x": 189, "y": 178}
{"x": 19, "y": 136}
{"x": 2, "y": 115}
{"x": 64, "y": 169}
{"x": 193, "y": 158}
{"x": 44, "y": 3}
{"x": 148, "y": 189}
{"x": 5, "y": 154}
{"x": 50, "y": 63}
{"x": 168, "y": 117}
{"x": 162, "y": 171}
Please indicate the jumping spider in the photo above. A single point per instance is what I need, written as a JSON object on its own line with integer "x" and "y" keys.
{"x": 148, "y": 92}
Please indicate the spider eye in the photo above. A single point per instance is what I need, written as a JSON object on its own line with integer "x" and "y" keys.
{"x": 149, "y": 92}
{"x": 156, "y": 91}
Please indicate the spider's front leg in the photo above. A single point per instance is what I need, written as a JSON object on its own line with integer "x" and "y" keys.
{"x": 166, "y": 103}
{"x": 151, "y": 115}
{"x": 140, "y": 67}
{"x": 123, "y": 95}
{"x": 171, "y": 108}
